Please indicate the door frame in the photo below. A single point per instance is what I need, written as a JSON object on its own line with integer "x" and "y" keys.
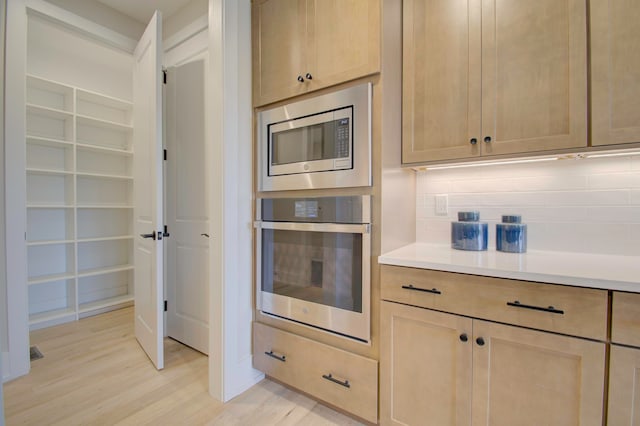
{"x": 229, "y": 94}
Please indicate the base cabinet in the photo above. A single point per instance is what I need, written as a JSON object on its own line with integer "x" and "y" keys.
{"x": 425, "y": 367}
{"x": 445, "y": 369}
{"x": 624, "y": 361}
{"x": 343, "y": 379}
{"x": 624, "y": 386}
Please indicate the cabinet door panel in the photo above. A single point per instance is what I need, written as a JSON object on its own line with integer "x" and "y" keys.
{"x": 526, "y": 377}
{"x": 279, "y": 49}
{"x": 346, "y": 40}
{"x": 425, "y": 369}
{"x": 624, "y": 386}
{"x": 441, "y": 79}
{"x": 534, "y": 88}
{"x": 615, "y": 71}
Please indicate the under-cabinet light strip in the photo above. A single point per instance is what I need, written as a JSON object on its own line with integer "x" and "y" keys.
{"x": 577, "y": 156}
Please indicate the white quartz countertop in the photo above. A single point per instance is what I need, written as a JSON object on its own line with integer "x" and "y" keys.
{"x": 576, "y": 269}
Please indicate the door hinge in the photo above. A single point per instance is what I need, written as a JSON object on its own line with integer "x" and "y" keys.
{"x": 165, "y": 306}
{"x": 164, "y": 76}
{"x": 164, "y": 154}
{"x": 166, "y": 232}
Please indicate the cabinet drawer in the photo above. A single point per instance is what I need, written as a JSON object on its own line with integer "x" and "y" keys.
{"x": 342, "y": 379}
{"x": 625, "y": 318}
{"x": 562, "y": 309}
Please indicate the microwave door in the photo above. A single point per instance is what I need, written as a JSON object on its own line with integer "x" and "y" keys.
{"x": 309, "y": 144}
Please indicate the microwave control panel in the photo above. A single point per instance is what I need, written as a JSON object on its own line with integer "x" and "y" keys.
{"x": 342, "y": 138}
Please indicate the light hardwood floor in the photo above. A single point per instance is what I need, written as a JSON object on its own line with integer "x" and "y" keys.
{"x": 94, "y": 372}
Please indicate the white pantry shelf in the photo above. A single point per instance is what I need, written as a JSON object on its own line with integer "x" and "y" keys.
{"x": 79, "y": 201}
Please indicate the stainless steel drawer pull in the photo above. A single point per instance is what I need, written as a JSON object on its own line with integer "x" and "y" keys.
{"x": 278, "y": 357}
{"x": 334, "y": 380}
{"x": 426, "y": 290}
{"x": 550, "y": 309}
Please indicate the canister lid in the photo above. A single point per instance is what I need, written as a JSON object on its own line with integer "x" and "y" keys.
{"x": 469, "y": 216}
{"x": 511, "y": 218}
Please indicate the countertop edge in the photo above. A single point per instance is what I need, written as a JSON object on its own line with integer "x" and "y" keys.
{"x": 533, "y": 276}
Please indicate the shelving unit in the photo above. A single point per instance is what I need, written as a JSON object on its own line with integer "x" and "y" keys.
{"x": 79, "y": 202}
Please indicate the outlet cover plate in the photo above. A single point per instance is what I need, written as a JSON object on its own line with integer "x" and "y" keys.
{"x": 442, "y": 205}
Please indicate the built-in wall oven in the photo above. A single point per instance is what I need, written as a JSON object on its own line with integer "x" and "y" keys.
{"x": 313, "y": 262}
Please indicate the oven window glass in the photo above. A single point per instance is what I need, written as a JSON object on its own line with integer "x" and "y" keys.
{"x": 323, "y": 141}
{"x": 319, "y": 267}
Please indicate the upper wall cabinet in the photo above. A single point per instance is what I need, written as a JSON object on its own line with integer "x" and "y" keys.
{"x": 615, "y": 71}
{"x": 482, "y": 77}
{"x": 305, "y": 45}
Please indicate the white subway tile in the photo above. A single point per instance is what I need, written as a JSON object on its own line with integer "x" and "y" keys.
{"x": 614, "y": 214}
{"x": 590, "y": 205}
{"x": 612, "y": 181}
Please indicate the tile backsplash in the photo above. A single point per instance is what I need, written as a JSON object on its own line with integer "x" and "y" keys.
{"x": 587, "y": 205}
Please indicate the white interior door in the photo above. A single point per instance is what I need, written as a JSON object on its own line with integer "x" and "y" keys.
{"x": 187, "y": 207}
{"x": 148, "y": 191}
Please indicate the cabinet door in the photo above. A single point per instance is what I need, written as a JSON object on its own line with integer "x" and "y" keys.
{"x": 279, "y": 49}
{"x": 344, "y": 40}
{"x": 425, "y": 367}
{"x": 527, "y": 377}
{"x": 615, "y": 71}
{"x": 624, "y": 386}
{"x": 441, "y": 80}
{"x": 534, "y": 75}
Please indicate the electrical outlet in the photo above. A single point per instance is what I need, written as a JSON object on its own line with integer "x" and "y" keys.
{"x": 442, "y": 205}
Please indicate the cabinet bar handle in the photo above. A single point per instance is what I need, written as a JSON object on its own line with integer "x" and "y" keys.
{"x": 334, "y": 380}
{"x": 278, "y": 357}
{"x": 551, "y": 309}
{"x": 426, "y": 290}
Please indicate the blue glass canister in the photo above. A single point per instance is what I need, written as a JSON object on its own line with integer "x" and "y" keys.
{"x": 468, "y": 233}
{"x": 511, "y": 234}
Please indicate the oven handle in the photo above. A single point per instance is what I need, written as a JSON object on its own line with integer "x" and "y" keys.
{"x": 359, "y": 228}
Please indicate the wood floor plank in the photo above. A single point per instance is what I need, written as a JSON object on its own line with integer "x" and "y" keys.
{"x": 95, "y": 373}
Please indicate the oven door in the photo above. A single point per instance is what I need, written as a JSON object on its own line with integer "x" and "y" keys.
{"x": 316, "y": 274}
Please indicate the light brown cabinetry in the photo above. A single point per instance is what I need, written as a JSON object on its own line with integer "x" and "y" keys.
{"x": 466, "y": 370}
{"x": 342, "y": 379}
{"x": 624, "y": 369}
{"x": 615, "y": 71}
{"x": 575, "y": 311}
{"x": 490, "y": 78}
{"x": 305, "y": 45}
{"x": 425, "y": 369}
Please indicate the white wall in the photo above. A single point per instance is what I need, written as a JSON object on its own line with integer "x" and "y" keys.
{"x": 230, "y": 358}
{"x": 588, "y": 205}
{"x": 103, "y": 15}
{"x": 16, "y": 361}
{"x": 65, "y": 56}
{"x": 184, "y": 17}
{"x": 4, "y": 338}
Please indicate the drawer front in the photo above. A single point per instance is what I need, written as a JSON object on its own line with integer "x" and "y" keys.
{"x": 272, "y": 353}
{"x": 625, "y": 318}
{"x": 342, "y": 379}
{"x": 562, "y": 309}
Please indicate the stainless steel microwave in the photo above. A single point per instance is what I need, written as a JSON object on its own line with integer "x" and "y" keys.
{"x": 320, "y": 142}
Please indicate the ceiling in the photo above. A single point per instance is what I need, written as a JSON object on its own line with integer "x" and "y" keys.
{"x": 142, "y": 10}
